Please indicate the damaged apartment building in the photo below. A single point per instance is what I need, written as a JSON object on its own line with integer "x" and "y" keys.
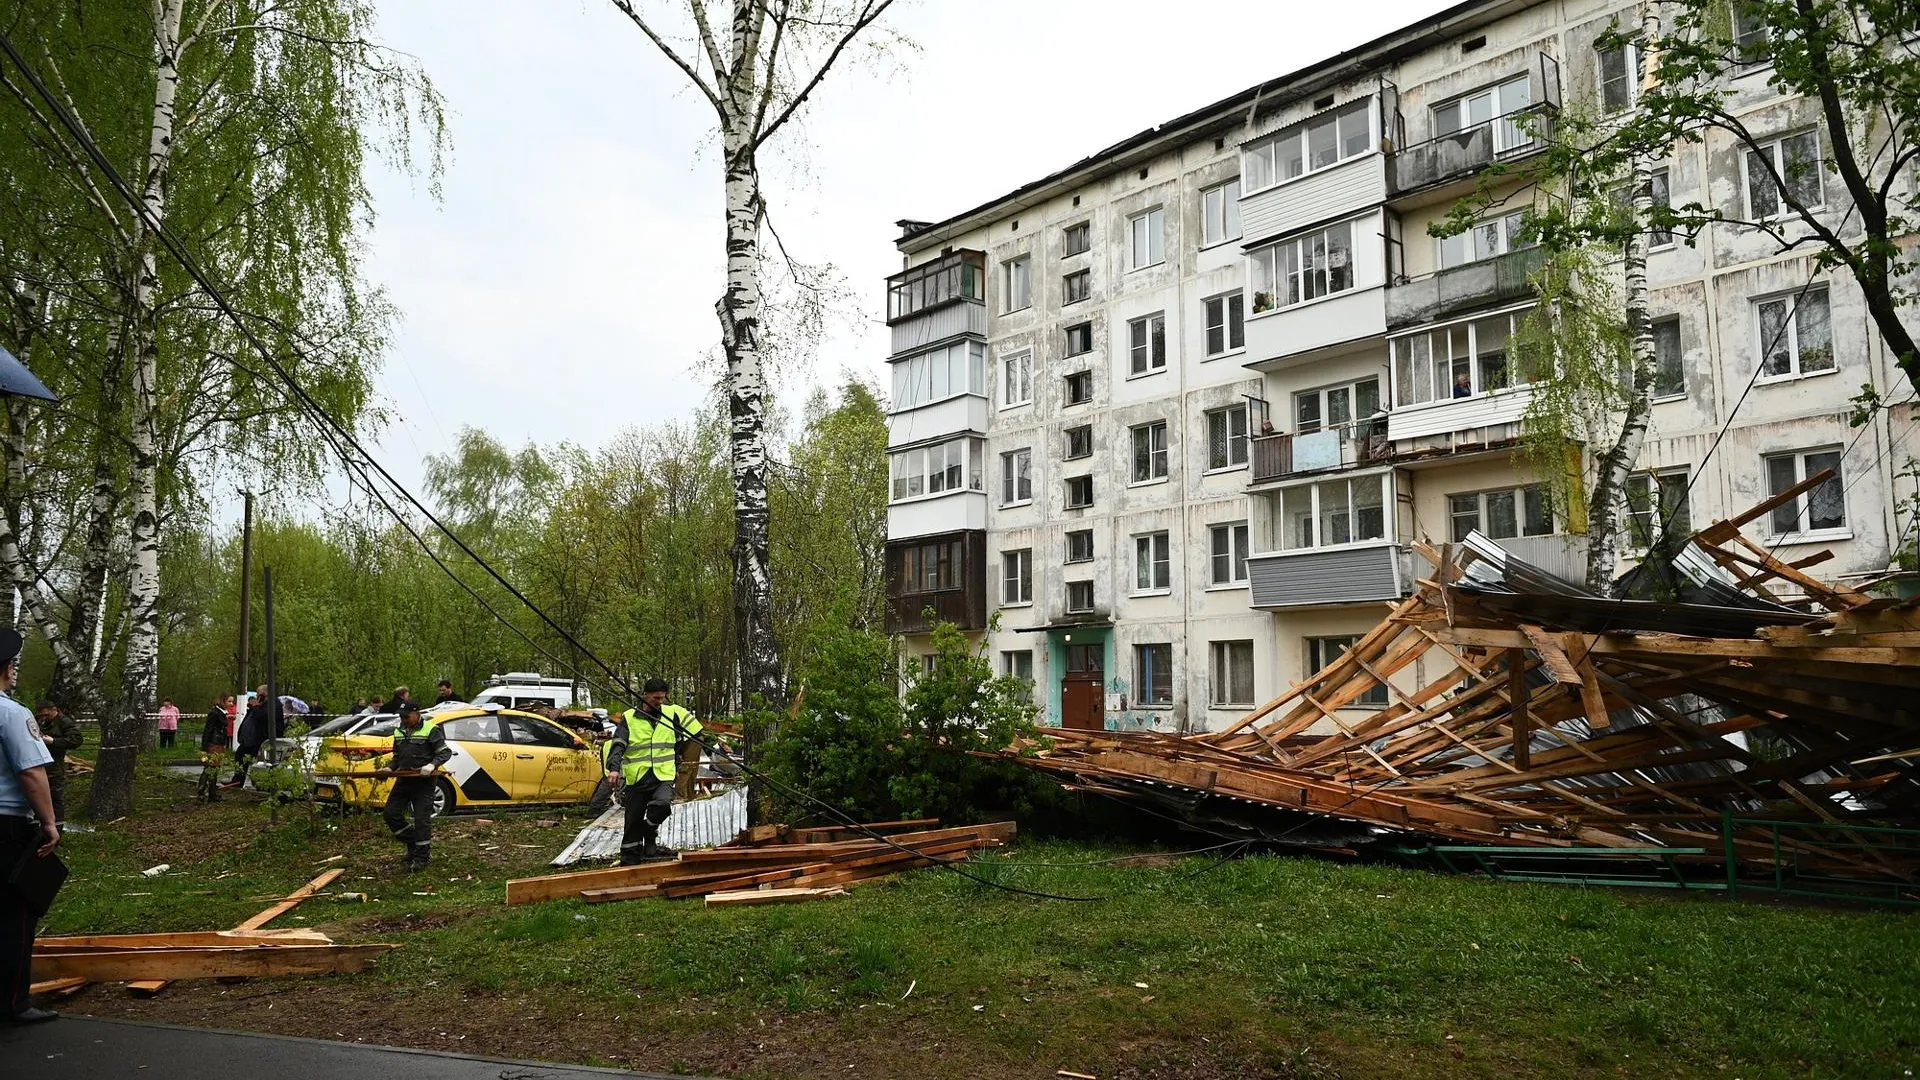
{"x": 1165, "y": 423}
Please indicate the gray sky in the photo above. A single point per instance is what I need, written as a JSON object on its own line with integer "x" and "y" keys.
{"x": 564, "y": 287}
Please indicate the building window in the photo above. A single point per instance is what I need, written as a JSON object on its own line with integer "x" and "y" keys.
{"x": 931, "y": 568}
{"x": 1333, "y": 512}
{"x": 1618, "y": 82}
{"x": 1303, "y": 268}
{"x": 1016, "y": 583}
{"x": 1016, "y": 477}
{"x": 1457, "y": 360}
{"x": 938, "y": 469}
{"x": 1749, "y": 34}
{"x": 1232, "y": 682}
{"x": 1648, "y": 522}
{"x": 1495, "y": 106}
{"x": 1823, "y": 509}
{"x": 1796, "y": 335}
{"x": 938, "y": 374}
{"x": 1796, "y": 161}
{"x": 1146, "y": 239}
{"x": 1076, "y": 287}
{"x": 1150, "y": 452}
{"x": 960, "y": 276}
{"x": 1019, "y": 283}
{"x": 1220, "y": 214}
{"x": 1229, "y": 554}
{"x": 1227, "y": 437}
{"x": 1495, "y": 236}
{"x": 1079, "y": 339}
{"x": 1017, "y": 664}
{"x": 1226, "y": 319}
{"x": 1016, "y": 379}
{"x": 1080, "y": 388}
{"x": 1322, "y": 651}
{"x": 1079, "y": 442}
{"x": 1335, "y": 406}
{"x": 1080, "y": 545}
{"x": 1153, "y": 674}
{"x": 1079, "y": 492}
{"x": 1079, "y": 596}
{"x": 1152, "y": 563}
{"x": 1147, "y": 343}
{"x": 1669, "y": 376}
{"x": 1318, "y": 142}
{"x": 1077, "y": 238}
{"x": 1502, "y": 514}
{"x": 1662, "y": 200}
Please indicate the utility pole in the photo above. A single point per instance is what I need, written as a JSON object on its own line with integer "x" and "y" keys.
{"x": 246, "y": 589}
{"x": 272, "y": 703}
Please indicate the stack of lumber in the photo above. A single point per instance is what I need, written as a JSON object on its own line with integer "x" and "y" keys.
{"x": 769, "y": 869}
{"x": 148, "y": 962}
{"x": 1524, "y": 710}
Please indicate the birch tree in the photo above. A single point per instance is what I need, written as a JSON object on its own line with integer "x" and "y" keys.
{"x": 757, "y": 63}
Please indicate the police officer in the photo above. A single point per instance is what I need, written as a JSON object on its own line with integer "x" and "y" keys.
{"x": 645, "y": 746}
{"x": 26, "y": 825}
{"x": 423, "y": 747}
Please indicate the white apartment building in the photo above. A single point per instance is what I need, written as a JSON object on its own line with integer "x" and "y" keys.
{"x": 1166, "y": 422}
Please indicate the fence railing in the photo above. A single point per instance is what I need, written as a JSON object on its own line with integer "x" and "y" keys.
{"x": 1808, "y": 858}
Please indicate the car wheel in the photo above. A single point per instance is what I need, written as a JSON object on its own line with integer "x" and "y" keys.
{"x": 444, "y": 799}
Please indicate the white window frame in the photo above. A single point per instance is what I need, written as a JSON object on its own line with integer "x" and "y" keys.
{"x": 1152, "y": 563}
{"x": 1228, "y": 659}
{"x": 1012, "y": 661}
{"x": 1143, "y": 671}
{"x": 1261, "y": 162}
{"x": 1630, "y": 77}
{"x": 1407, "y": 397}
{"x": 1319, "y": 514}
{"x": 1156, "y": 450}
{"x": 1776, "y": 154}
{"x": 1745, "y": 40}
{"x": 1793, "y": 306}
{"x": 1269, "y": 265}
{"x": 1520, "y": 493}
{"x": 1237, "y": 445}
{"x": 1640, "y": 521}
{"x": 1016, "y": 477}
{"x": 1067, "y": 492}
{"x": 1508, "y": 135}
{"x": 1228, "y": 546}
{"x": 1069, "y": 557}
{"x": 1662, "y": 183}
{"x": 1147, "y": 239}
{"x": 1147, "y": 344}
{"x": 1220, "y": 214}
{"x": 1016, "y": 577}
{"x": 1679, "y": 359}
{"x": 905, "y": 466}
{"x": 1323, "y": 399}
{"x": 1487, "y": 239}
{"x": 1016, "y": 281}
{"x": 1800, "y": 506}
{"x": 1231, "y": 308}
{"x": 1016, "y": 379}
{"x": 1066, "y": 287}
{"x": 937, "y": 374}
{"x": 1083, "y": 229}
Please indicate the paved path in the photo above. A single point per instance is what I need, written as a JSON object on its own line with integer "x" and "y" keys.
{"x": 72, "y": 1048}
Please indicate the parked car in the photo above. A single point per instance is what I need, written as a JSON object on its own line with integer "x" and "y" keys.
{"x": 310, "y": 744}
{"x": 525, "y": 689}
{"x": 501, "y": 757}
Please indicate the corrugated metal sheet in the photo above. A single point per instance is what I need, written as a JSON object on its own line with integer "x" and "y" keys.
{"x": 700, "y": 823}
{"x": 1341, "y": 576}
{"x": 1349, "y": 187}
{"x": 965, "y": 317}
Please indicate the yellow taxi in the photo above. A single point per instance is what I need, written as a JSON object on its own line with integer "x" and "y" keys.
{"x": 501, "y": 757}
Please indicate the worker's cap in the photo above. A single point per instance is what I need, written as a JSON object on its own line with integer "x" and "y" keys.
{"x": 10, "y": 645}
{"x": 408, "y": 708}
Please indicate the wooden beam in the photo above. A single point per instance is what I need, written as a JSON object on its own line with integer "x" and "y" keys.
{"x": 149, "y": 987}
{"x": 210, "y": 939}
{"x": 757, "y": 897}
{"x": 1517, "y": 702}
{"x": 1722, "y": 531}
{"x": 1551, "y": 652}
{"x": 264, "y": 961}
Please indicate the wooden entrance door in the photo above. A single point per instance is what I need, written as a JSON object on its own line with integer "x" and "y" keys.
{"x": 1083, "y": 689}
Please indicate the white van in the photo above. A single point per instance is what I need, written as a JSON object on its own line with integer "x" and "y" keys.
{"x": 524, "y": 689}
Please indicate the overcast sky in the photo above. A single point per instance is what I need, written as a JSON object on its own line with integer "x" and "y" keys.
{"x": 564, "y": 286}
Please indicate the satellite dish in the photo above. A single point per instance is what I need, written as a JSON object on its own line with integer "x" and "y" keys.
{"x": 17, "y": 381}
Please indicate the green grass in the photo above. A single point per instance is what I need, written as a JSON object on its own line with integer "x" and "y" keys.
{"x": 1272, "y": 966}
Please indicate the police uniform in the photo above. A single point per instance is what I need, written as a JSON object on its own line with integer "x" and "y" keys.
{"x": 21, "y": 750}
{"x": 409, "y": 813}
{"x": 646, "y": 748}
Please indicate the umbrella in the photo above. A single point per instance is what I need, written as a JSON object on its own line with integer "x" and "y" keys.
{"x": 292, "y": 704}
{"x": 17, "y": 381}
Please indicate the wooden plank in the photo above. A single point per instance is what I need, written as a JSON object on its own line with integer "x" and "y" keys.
{"x": 1551, "y": 652}
{"x": 56, "y": 987}
{"x": 1517, "y": 704}
{"x": 1722, "y": 531}
{"x": 568, "y": 886}
{"x": 211, "y": 939}
{"x": 758, "y": 897}
{"x": 262, "y": 961}
{"x": 292, "y": 900}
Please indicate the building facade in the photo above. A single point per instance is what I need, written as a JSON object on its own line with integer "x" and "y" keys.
{"x": 1167, "y": 424}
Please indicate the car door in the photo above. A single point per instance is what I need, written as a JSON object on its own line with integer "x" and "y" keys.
{"x": 482, "y": 762}
{"x": 550, "y": 763}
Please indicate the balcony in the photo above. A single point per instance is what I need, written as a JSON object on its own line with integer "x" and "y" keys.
{"x": 1327, "y": 577}
{"x": 945, "y": 574}
{"x": 1436, "y": 167}
{"x": 950, "y": 279}
{"x": 1480, "y": 420}
{"x": 1502, "y": 279}
{"x": 1344, "y": 446}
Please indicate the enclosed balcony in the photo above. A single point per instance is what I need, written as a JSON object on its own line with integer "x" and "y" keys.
{"x": 932, "y": 286}
{"x": 1352, "y": 575}
{"x": 1486, "y": 283}
{"x": 1328, "y": 541}
{"x": 945, "y": 575}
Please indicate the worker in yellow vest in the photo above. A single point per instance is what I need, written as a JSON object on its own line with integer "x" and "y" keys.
{"x": 642, "y": 755}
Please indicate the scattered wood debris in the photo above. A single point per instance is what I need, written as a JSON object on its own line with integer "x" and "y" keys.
{"x": 807, "y": 870}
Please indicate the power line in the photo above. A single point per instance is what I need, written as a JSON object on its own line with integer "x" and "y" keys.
{"x": 337, "y": 434}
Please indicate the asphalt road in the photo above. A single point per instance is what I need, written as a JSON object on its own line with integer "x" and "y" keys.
{"x": 72, "y": 1048}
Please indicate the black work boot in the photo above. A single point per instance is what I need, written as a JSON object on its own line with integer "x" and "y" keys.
{"x": 417, "y": 857}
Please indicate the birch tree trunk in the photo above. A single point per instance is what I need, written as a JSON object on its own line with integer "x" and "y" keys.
{"x": 121, "y": 729}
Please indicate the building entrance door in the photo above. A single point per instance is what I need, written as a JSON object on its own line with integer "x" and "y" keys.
{"x": 1083, "y": 688}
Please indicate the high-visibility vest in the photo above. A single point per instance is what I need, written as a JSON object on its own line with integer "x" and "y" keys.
{"x": 651, "y": 745}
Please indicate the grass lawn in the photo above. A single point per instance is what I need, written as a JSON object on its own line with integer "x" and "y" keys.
{"x": 1258, "y": 967}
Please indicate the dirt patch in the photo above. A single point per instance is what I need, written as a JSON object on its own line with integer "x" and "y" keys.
{"x": 407, "y": 924}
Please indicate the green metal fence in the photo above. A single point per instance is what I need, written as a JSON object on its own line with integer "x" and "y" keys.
{"x": 1825, "y": 861}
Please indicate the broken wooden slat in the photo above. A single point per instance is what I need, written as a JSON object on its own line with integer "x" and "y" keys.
{"x": 292, "y": 900}
{"x": 263, "y": 961}
{"x": 758, "y": 897}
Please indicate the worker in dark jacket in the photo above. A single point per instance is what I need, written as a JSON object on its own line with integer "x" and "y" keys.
{"x": 402, "y": 697}
{"x": 213, "y": 748}
{"x": 61, "y": 735}
{"x": 264, "y": 720}
{"x": 418, "y": 748}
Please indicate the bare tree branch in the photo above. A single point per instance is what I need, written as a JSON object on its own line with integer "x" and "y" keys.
{"x": 713, "y": 98}
{"x": 869, "y": 14}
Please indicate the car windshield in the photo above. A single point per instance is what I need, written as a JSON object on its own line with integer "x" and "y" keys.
{"x": 382, "y": 726}
{"x": 336, "y": 726}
